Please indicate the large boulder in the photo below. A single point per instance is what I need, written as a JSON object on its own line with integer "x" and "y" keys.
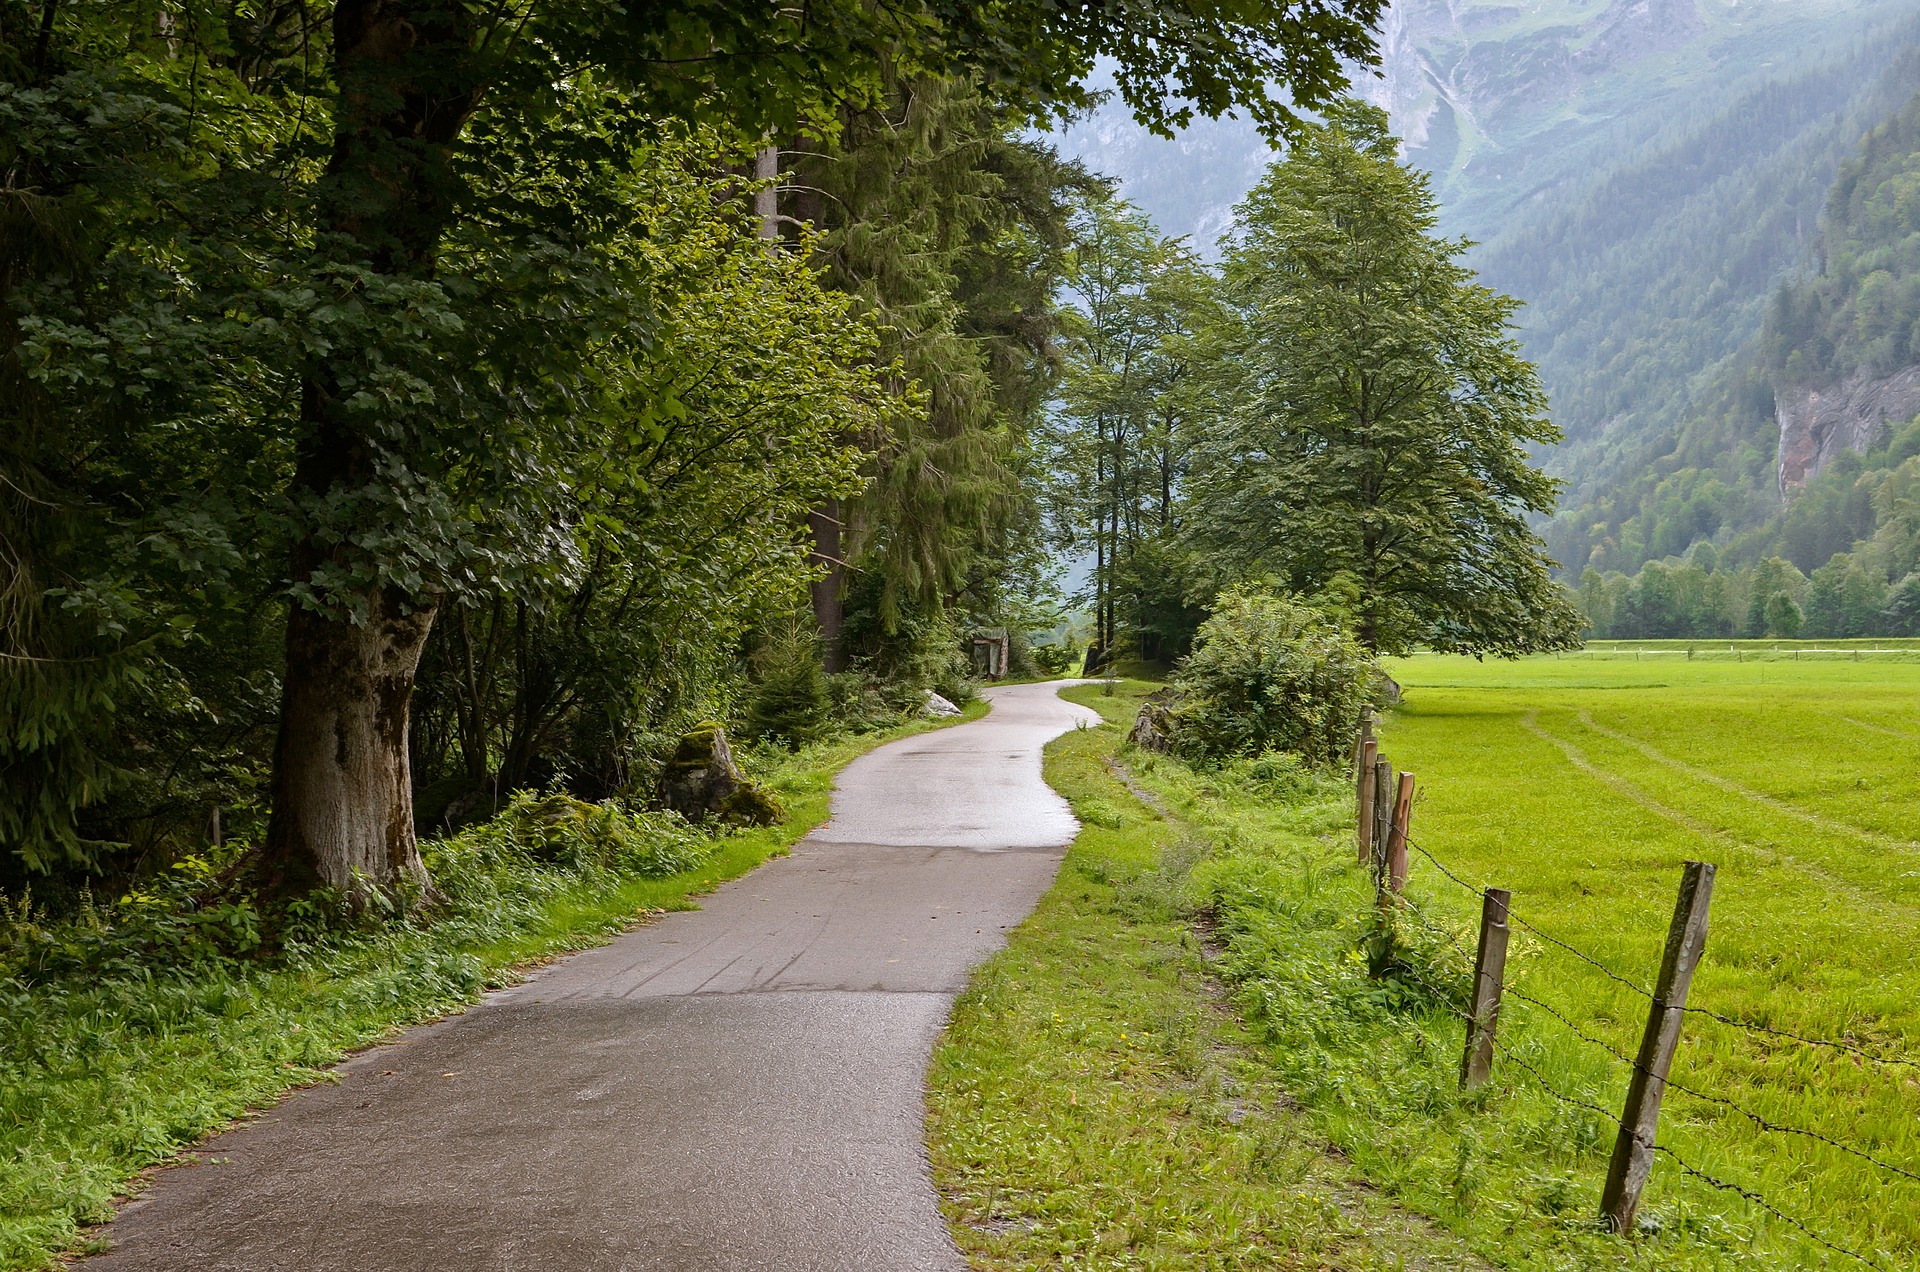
{"x": 1153, "y": 727}
{"x": 939, "y": 707}
{"x": 701, "y": 781}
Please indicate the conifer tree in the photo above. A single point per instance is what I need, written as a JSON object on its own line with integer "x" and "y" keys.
{"x": 948, "y": 226}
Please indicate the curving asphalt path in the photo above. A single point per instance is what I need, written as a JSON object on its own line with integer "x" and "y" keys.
{"x": 737, "y": 1087}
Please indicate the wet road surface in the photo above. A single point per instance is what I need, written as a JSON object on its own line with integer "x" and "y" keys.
{"x": 738, "y": 1087}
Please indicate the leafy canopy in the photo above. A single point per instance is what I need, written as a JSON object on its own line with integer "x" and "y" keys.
{"x": 771, "y": 67}
{"x": 1376, "y": 450}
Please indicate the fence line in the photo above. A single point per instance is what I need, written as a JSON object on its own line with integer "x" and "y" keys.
{"x": 1712, "y": 648}
{"x": 1685, "y": 1167}
{"x": 1849, "y": 1048}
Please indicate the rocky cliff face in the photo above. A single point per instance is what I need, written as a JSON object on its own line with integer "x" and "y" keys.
{"x": 1465, "y": 80}
{"x": 1817, "y": 424}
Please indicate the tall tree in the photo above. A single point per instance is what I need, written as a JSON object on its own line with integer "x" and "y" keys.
{"x": 1376, "y": 453}
{"x": 1129, "y": 393}
{"x": 408, "y": 76}
{"x": 426, "y": 428}
{"x": 947, "y": 225}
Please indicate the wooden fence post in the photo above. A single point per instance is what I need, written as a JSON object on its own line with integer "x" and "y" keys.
{"x": 1397, "y": 837}
{"x": 1382, "y": 815}
{"x": 1489, "y": 979}
{"x": 1360, "y": 743}
{"x": 1640, "y": 1123}
{"x": 1363, "y": 823}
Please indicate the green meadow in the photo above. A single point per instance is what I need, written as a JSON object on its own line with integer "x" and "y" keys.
{"x": 1583, "y": 782}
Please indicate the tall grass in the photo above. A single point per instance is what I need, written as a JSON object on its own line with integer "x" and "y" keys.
{"x": 1818, "y": 940}
{"x": 1585, "y": 787}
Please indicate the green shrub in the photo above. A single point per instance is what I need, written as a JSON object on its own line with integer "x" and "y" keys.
{"x": 185, "y": 916}
{"x": 905, "y": 645}
{"x": 861, "y": 705}
{"x": 1058, "y": 659}
{"x": 1272, "y": 775}
{"x": 1270, "y": 674}
{"x": 790, "y": 701}
{"x": 559, "y": 831}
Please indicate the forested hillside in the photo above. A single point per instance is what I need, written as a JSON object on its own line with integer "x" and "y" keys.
{"x": 1644, "y": 177}
{"x": 1805, "y": 462}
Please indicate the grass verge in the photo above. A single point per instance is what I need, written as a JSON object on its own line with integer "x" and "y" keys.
{"x": 1097, "y": 1103}
{"x": 107, "y": 1074}
{"x": 1093, "y": 1106}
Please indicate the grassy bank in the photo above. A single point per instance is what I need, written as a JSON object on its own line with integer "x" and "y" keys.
{"x": 126, "y": 1050}
{"x": 1097, "y": 1103}
{"x": 1077, "y": 1106}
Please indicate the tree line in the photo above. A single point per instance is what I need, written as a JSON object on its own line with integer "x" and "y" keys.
{"x": 1339, "y": 411}
{"x": 1845, "y": 562}
{"x": 408, "y": 400}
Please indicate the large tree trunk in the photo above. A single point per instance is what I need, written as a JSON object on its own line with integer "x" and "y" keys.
{"x": 829, "y": 588}
{"x": 342, "y": 784}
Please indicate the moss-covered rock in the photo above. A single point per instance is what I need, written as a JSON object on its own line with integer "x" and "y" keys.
{"x": 751, "y": 805}
{"x": 701, "y": 781}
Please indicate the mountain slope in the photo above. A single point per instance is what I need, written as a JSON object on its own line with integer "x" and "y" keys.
{"x": 1790, "y": 445}
{"x": 1644, "y": 173}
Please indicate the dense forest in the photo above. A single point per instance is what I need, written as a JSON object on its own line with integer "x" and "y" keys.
{"x": 411, "y": 404}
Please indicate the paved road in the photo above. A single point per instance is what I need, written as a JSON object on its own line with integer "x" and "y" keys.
{"x": 738, "y": 1087}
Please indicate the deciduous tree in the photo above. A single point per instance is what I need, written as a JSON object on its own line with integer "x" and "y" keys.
{"x": 1376, "y": 451}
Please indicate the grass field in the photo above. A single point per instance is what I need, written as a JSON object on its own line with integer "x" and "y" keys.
{"x": 1584, "y": 782}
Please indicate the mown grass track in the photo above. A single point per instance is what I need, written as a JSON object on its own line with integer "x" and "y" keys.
{"x": 1584, "y": 783}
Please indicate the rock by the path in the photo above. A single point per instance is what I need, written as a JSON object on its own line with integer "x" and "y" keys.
{"x": 702, "y": 780}
{"x": 939, "y": 707}
{"x": 1153, "y": 727}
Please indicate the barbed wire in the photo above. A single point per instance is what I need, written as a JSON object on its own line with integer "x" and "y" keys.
{"x": 1687, "y": 1168}
{"x": 1760, "y": 1120}
{"x": 1548, "y": 937}
{"x": 1751, "y": 1196}
{"x": 1730, "y": 1021}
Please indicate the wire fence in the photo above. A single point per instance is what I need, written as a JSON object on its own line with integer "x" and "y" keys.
{"x": 1680, "y": 1163}
{"x": 1402, "y": 904}
{"x": 1714, "y": 651}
